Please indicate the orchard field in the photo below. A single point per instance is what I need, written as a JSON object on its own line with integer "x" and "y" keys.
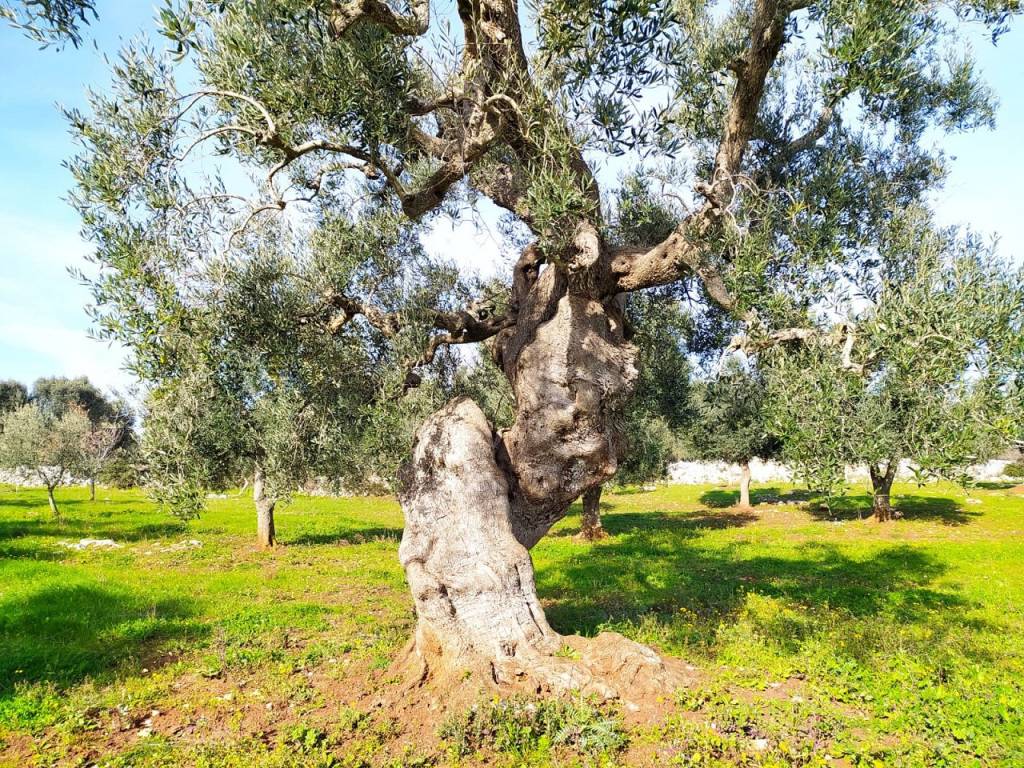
{"x": 815, "y": 638}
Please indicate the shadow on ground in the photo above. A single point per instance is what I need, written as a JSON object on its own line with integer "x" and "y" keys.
{"x": 719, "y": 498}
{"x": 661, "y": 568}
{"x": 912, "y": 507}
{"x": 63, "y": 635}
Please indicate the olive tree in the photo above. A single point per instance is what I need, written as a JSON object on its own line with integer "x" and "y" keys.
{"x": 51, "y": 448}
{"x": 797, "y": 126}
{"x": 940, "y": 354}
{"x": 729, "y": 421}
{"x": 13, "y": 395}
{"x": 110, "y": 419}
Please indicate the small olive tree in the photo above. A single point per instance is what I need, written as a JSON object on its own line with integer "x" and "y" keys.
{"x": 729, "y": 421}
{"x": 931, "y": 375}
{"x": 51, "y": 448}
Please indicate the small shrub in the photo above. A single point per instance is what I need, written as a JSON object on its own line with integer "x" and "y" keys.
{"x": 1015, "y": 469}
{"x": 520, "y": 726}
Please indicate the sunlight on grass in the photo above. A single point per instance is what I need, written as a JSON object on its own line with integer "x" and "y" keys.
{"x": 817, "y": 634}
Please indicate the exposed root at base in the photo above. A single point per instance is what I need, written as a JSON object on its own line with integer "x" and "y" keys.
{"x": 609, "y": 667}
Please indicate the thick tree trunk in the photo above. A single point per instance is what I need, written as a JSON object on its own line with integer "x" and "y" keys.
{"x": 53, "y": 503}
{"x": 745, "y": 485}
{"x": 590, "y": 523}
{"x": 475, "y": 502}
{"x": 881, "y": 488}
{"x": 265, "y": 534}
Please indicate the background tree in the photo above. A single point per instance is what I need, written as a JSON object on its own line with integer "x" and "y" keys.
{"x": 13, "y": 395}
{"x": 802, "y": 124}
{"x": 57, "y": 394}
{"x": 110, "y": 419}
{"x": 939, "y": 322}
{"x": 49, "y": 447}
{"x": 729, "y": 422}
{"x": 106, "y": 440}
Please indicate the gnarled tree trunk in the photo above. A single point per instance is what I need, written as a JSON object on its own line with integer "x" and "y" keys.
{"x": 745, "y": 485}
{"x": 476, "y": 501}
{"x": 881, "y": 488}
{"x": 265, "y": 535}
{"x": 590, "y": 523}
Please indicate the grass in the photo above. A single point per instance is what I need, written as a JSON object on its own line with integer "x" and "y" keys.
{"x": 820, "y": 638}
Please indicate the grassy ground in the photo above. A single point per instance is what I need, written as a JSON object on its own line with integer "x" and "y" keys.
{"x": 819, "y": 639}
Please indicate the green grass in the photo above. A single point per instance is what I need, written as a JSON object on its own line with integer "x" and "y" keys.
{"x": 820, "y": 638}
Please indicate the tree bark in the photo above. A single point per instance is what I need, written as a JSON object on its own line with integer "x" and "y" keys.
{"x": 745, "y": 485}
{"x": 265, "y": 534}
{"x": 92, "y": 489}
{"x": 475, "y": 502}
{"x": 590, "y": 522}
{"x": 53, "y": 502}
{"x": 881, "y": 488}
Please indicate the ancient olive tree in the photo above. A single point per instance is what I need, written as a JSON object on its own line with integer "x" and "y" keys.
{"x": 51, "y": 448}
{"x": 940, "y": 353}
{"x": 801, "y": 125}
{"x": 729, "y": 421}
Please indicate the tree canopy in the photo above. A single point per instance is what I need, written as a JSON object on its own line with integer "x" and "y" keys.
{"x": 939, "y": 342}
{"x": 263, "y": 188}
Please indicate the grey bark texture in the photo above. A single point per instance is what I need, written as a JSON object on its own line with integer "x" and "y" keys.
{"x": 745, "y": 485}
{"x": 265, "y": 533}
{"x": 475, "y": 502}
{"x": 881, "y": 490}
{"x": 590, "y": 523}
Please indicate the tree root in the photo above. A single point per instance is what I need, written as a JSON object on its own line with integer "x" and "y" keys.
{"x": 609, "y": 667}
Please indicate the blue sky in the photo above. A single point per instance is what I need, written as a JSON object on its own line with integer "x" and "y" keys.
{"x": 44, "y": 330}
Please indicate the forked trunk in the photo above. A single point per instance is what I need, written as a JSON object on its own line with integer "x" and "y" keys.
{"x": 590, "y": 524}
{"x": 475, "y": 502}
{"x": 265, "y": 534}
{"x": 881, "y": 489}
{"x": 745, "y": 485}
{"x": 53, "y": 503}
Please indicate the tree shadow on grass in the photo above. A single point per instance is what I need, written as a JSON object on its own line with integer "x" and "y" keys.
{"x": 120, "y": 527}
{"x": 345, "y": 533}
{"x": 912, "y": 507}
{"x": 63, "y": 635}
{"x": 617, "y": 523}
{"x": 719, "y": 498}
{"x": 646, "y": 576}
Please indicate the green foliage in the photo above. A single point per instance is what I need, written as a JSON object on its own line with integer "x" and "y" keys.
{"x": 940, "y": 350}
{"x": 521, "y": 726}
{"x": 50, "y": 447}
{"x": 49, "y": 21}
{"x": 57, "y": 394}
{"x": 660, "y": 407}
{"x": 13, "y": 395}
{"x": 1015, "y": 469}
{"x": 729, "y": 421}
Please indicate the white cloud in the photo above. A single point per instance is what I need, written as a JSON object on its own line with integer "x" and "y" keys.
{"x": 60, "y": 351}
{"x": 474, "y": 246}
